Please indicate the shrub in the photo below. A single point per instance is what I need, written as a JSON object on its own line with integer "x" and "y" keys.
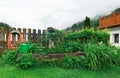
{"x": 47, "y": 63}
{"x": 9, "y": 57}
{"x": 117, "y": 61}
{"x": 37, "y": 49}
{"x": 102, "y": 36}
{"x": 2, "y": 62}
{"x": 70, "y": 62}
{"x": 88, "y": 35}
{"x": 66, "y": 62}
{"x": 70, "y": 46}
{"x": 25, "y": 60}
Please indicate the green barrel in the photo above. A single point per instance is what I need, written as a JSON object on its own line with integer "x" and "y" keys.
{"x": 24, "y": 48}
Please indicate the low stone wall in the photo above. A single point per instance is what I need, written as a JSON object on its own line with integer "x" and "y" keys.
{"x": 57, "y": 56}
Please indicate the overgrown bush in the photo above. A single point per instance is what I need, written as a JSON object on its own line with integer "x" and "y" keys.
{"x": 102, "y": 36}
{"x": 37, "y": 49}
{"x": 93, "y": 42}
{"x": 9, "y": 57}
{"x": 99, "y": 55}
{"x": 70, "y": 46}
{"x": 47, "y": 63}
{"x": 117, "y": 61}
{"x": 88, "y": 35}
{"x": 71, "y": 62}
{"x": 12, "y": 57}
{"x": 25, "y": 60}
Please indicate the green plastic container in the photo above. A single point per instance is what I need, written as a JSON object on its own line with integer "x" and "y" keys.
{"x": 24, "y": 48}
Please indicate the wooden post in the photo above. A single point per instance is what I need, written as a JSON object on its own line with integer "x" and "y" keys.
{"x": 44, "y": 41}
{"x": 19, "y": 29}
{"x": 7, "y": 33}
{"x": 2, "y": 45}
{"x": 24, "y": 35}
{"x": 29, "y": 34}
{"x": 39, "y": 35}
{"x": 5, "y": 37}
{"x": 1, "y": 42}
{"x": 13, "y": 35}
{"x": 2, "y": 33}
{"x": 34, "y": 35}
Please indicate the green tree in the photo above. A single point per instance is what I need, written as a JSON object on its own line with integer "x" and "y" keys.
{"x": 4, "y": 25}
{"x": 87, "y": 22}
{"x": 116, "y": 10}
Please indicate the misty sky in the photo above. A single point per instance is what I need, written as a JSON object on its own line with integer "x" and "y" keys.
{"x": 56, "y": 13}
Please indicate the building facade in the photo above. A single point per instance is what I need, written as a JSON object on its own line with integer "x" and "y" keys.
{"x": 112, "y": 23}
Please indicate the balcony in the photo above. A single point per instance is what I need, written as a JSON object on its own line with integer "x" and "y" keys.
{"x": 111, "y": 20}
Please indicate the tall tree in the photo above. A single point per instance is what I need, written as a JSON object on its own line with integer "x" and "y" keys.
{"x": 87, "y": 22}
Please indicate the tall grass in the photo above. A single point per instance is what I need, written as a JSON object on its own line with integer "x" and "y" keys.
{"x": 99, "y": 55}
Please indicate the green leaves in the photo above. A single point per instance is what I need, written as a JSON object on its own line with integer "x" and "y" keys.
{"x": 99, "y": 55}
{"x": 70, "y": 62}
{"x": 4, "y": 25}
{"x": 87, "y": 22}
{"x": 10, "y": 57}
{"x": 70, "y": 46}
{"x": 88, "y": 35}
{"x": 21, "y": 60}
{"x": 25, "y": 60}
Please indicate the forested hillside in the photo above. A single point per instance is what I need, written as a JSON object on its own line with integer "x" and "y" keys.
{"x": 94, "y": 22}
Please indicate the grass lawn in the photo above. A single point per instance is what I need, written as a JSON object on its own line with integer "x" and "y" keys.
{"x": 55, "y": 72}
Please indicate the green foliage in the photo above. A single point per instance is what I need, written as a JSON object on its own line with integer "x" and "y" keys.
{"x": 117, "y": 60}
{"x": 55, "y": 35}
{"x": 47, "y": 63}
{"x": 25, "y": 60}
{"x": 87, "y": 22}
{"x": 56, "y": 72}
{"x": 70, "y": 62}
{"x": 73, "y": 41}
{"x": 67, "y": 62}
{"x": 94, "y": 22}
{"x": 99, "y": 56}
{"x": 88, "y": 35}
{"x": 116, "y": 10}
{"x": 10, "y": 57}
{"x": 93, "y": 42}
{"x": 67, "y": 47}
{"x": 37, "y": 49}
{"x": 4, "y": 25}
{"x": 102, "y": 36}
{"x": 2, "y": 62}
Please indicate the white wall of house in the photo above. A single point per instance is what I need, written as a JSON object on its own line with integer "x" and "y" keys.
{"x": 115, "y": 36}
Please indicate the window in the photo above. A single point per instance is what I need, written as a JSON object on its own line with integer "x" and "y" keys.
{"x": 116, "y": 38}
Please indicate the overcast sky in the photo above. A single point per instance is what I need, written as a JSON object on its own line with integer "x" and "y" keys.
{"x": 56, "y": 13}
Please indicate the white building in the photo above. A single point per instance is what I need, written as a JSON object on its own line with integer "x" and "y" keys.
{"x": 112, "y": 23}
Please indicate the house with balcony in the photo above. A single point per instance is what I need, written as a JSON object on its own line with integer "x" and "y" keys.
{"x": 112, "y": 23}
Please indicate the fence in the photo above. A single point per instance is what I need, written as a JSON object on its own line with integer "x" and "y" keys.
{"x": 32, "y": 35}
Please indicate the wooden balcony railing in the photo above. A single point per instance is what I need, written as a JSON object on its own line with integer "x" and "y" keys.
{"x": 111, "y": 20}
